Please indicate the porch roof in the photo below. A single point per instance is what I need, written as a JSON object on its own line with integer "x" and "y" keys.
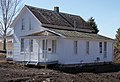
{"x": 42, "y": 34}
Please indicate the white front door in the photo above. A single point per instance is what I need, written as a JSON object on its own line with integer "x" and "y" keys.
{"x": 44, "y": 49}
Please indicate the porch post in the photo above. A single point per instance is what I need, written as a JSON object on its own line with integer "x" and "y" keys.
{"x": 38, "y": 49}
{"x": 45, "y": 50}
{"x": 29, "y": 51}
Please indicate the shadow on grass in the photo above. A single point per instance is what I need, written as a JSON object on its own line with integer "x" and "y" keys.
{"x": 87, "y": 68}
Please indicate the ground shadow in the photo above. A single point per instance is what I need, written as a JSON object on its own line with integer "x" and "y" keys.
{"x": 87, "y": 68}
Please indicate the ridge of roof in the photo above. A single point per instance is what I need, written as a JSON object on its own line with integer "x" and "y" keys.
{"x": 51, "y": 10}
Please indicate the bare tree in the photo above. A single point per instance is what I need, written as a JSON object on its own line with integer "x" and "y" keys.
{"x": 8, "y": 9}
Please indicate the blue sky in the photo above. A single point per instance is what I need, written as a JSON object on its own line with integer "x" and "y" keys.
{"x": 105, "y": 12}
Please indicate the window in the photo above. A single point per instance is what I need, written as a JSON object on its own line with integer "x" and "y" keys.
{"x": 87, "y": 47}
{"x": 75, "y": 47}
{"x": 100, "y": 47}
{"x": 105, "y": 49}
{"x": 31, "y": 46}
{"x": 54, "y": 46}
{"x": 23, "y": 24}
{"x": 22, "y": 44}
{"x": 30, "y": 28}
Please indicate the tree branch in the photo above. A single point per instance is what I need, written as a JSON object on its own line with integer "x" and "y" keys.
{"x": 2, "y": 27}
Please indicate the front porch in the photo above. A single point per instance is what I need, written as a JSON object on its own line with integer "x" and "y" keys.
{"x": 41, "y": 49}
{"x": 37, "y": 58}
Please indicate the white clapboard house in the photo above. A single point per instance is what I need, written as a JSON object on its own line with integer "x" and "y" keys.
{"x": 49, "y": 36}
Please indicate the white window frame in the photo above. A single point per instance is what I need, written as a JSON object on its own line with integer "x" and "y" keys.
{"x": 22, "y": 44}
{"x": 75, "y": 47}
{"x": 54, "y": 46}
{"x": 87, "y": 47}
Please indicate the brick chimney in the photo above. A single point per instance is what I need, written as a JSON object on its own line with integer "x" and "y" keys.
{"x": 56, "y": 9}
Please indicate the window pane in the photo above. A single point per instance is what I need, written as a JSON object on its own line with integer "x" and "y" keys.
{"x": 100, "y": 47}
{"x": 43, "y": 45}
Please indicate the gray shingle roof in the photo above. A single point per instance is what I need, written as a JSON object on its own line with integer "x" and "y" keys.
{"x": 76, "y": 34}
{"x": 59, "y": 19}
{"x": 70, "y": 34}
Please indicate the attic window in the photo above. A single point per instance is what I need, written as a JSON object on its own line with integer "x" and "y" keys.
{"x": 30, "y": 28}
{"x": 23, "y": 24}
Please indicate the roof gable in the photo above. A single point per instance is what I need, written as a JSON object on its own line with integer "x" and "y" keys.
{"x": 50, "y": 17}
{"x": 20, "y": 15}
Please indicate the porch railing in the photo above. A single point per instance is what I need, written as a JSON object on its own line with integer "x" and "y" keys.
{"x": 38, "y": 57}
{"x": 31, "y": 56}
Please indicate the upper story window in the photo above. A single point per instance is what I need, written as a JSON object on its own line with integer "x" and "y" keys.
{"x": 75, "y": 47}
{"x": 23, "y": 24}
{"x": 100, "y": 47}
{"x": 54, "y": 46}
{"x": 31, "y": 46}
{"x": 30, "y": 27}
{"x": 87, "y": 47}
{"x": 22, "y": 44}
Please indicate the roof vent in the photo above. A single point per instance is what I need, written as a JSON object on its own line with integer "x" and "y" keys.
{"x": 75, "y": 25}
{"x": 56, "y": 9}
